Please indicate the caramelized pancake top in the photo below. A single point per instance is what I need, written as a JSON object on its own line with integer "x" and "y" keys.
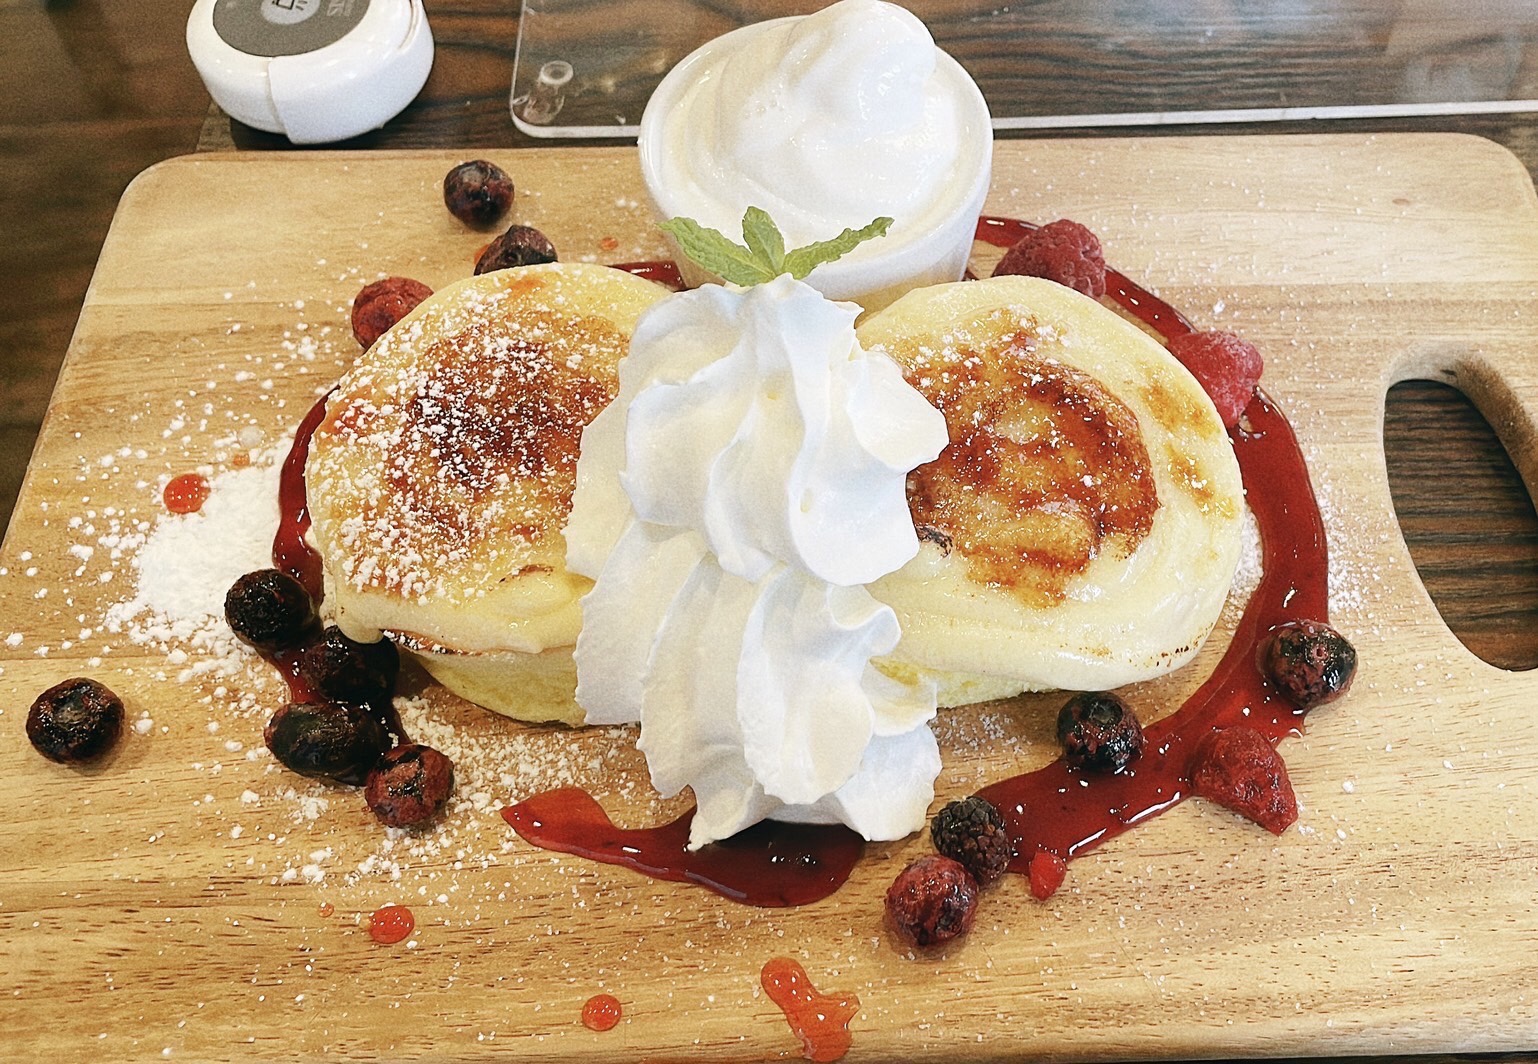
{"x": 1082, "y": 527}
{"x": 477, "y": 446}
{"x": 447, "y": 458}
{"x": 1045, "y": 470}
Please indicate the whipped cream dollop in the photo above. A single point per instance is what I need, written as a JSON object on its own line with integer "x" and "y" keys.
{"x": 730, "y": 505}
{"x": 825, "y": 121}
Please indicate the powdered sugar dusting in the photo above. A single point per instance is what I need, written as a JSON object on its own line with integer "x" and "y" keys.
{"x": 451, "y": 448}
{"x": 184, "y": 565}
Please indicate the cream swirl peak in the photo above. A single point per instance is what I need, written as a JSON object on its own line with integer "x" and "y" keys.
{"x": 730, "y": 505}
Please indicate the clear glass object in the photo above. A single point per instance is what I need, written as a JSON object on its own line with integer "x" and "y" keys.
{"x": 585, "y": 68}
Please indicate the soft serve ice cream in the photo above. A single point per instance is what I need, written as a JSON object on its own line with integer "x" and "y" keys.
{"x": 730, "y": 504}
{"x": 825, "y": 121}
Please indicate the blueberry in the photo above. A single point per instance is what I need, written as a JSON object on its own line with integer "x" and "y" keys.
{"x": 326, "y": 740}
{"x": 1099, "y": 732}
{"x": 77, "y": 720}
{"x": 348, "y": 671}
{"x": 478, "y": 192}
{"x": 270, "y": 610}
{"x": 521, "y": 245}
{"x": 1309, "y": 662}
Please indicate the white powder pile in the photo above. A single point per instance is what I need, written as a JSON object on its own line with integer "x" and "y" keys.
{"x": 187, "y": 562}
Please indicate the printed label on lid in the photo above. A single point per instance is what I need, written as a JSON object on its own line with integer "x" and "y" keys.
{"x": 285, "y": 27}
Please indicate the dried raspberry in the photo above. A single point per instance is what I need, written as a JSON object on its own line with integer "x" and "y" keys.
{"x": 972, "y": 833}
{"x": 478, "y": 192}
{"x": 1099, "y": 732}
{"x": 521, "y": 245}
{"x": 1226, "y": 366}
{"x": 1309, "y": 662}
{"x": 1240, "y": 770}
{"x": 1061, "y": 251}
{"x": 1047, "y": 871}
{"x": 932, "y": 900}
{"x": 381, "y": 304}
{"x": 409, "y": 785}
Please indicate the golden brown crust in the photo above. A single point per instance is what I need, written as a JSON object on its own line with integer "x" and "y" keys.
{"x": 1046, "y": 470}
{"x": 1083, "y": 526}
{"x": 442, "y": 474}
{"x": 463, "y": 452}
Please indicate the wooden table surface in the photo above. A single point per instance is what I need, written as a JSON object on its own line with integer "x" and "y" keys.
{"x": 97, "y": 92}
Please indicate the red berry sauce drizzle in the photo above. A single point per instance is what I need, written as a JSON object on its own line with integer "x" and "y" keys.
{"x": 663, "y": 272}
{"x": 821, "y": 1021}
{"x": 292, "y": 553}
{"x": 769, "y": 865}
{"x": 1065, "y": 812}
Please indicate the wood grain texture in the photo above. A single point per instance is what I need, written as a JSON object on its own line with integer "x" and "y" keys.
{"x": 171, "y": 899}
{"x": 94, "y": 94}
{"x": 1467, "y": 517}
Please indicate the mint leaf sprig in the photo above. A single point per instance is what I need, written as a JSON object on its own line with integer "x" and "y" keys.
{"x": 764, "y": 257}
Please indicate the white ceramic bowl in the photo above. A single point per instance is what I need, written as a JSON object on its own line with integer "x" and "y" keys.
{"x": 910, "y": 255}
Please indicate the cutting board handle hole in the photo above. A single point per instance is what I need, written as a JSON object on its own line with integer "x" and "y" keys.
{"x": 1471, "y": 493}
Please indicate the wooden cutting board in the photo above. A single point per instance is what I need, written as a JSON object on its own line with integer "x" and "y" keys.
{"x": 187, "y": 899}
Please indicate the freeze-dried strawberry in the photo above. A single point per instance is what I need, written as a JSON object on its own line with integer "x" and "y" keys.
{"x": 1046, "y": 872}
{"x": 1237, "y": 768}
{"x": 1226, "y": 365}
{"x": 381, "y": 304}
{"x": 1061, "y": 251}
{"x": 933, "y": 900}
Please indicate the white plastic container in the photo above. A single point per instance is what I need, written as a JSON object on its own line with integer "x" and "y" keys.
{"x": 316, "y": 71}
{"x": 927, "y": 245}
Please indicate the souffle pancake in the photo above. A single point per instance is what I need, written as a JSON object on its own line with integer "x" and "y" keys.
{"x": 442, "y": 473}
{"x": 1082, "y": 528}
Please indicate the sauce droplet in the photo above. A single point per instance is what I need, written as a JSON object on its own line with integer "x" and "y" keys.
{"x": 186, "y": 494}
{"x": 391, "y": 923}
{"x": 601, "y": 1012}
{"x": 326, "y": 908}
{"x": 821, "y": 1021}
{"x": 663, "y": 272}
